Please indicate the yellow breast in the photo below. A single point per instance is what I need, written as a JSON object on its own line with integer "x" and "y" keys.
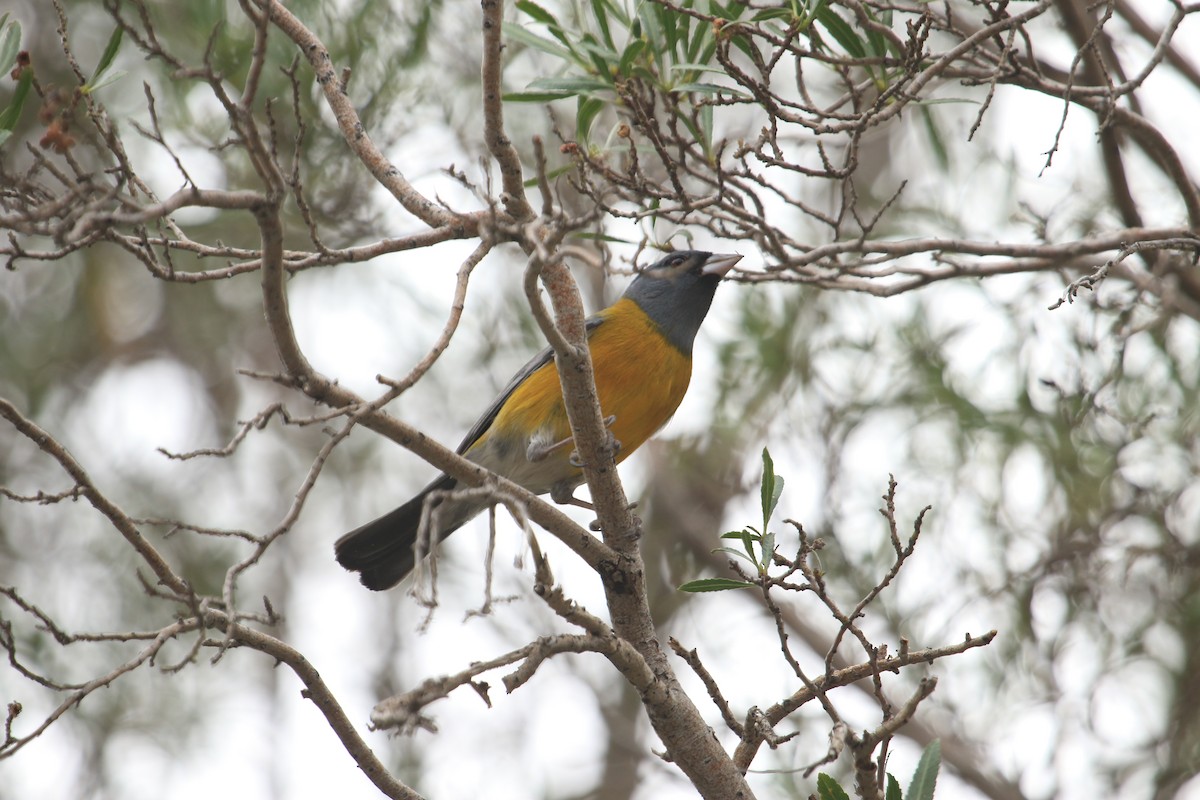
{"x": 641, "y": 379}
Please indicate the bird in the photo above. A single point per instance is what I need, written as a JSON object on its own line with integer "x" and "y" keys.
{"x": 641, "y": 350}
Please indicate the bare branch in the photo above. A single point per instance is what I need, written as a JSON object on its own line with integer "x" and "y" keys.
{"x": 116, "y": 517}
{"x": 351, "y": 126}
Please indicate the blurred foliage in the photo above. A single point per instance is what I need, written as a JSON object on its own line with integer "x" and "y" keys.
{"x": 1066, "y": 489}
{"x": 608, "y": 44}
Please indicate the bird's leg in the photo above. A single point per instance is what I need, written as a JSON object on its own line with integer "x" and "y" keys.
{"x": 539, "y": 449}
{"x": 611, "y": 443}
{"x": 563, "y": 493}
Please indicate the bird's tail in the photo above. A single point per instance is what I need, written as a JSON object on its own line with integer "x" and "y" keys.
{"x": 382, "y": 551}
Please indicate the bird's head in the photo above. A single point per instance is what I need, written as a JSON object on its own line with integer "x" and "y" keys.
{"x": 677, "y": 291}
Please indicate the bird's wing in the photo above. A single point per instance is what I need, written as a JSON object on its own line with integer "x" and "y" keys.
{"x": 537, "y": 362}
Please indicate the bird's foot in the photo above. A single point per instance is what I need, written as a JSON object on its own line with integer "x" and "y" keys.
{"x": 564, "y": 495}
{"x": 637, "y": 521}
{"x": 539, "y": 451}
{"x": 611, "y": 443}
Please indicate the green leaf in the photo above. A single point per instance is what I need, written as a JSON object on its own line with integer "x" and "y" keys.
{"x": 695, "y": 66}
{"x": 12, "y": 113}
{"x": 515, "y": 33}
{"x": 773, "y": 13}
{"x": 739, "y": 535}
{"x": 681, "y": 35}
{"x": 731, "y": 12}
{"x": 737, "y": 553}
{"x": 106, "y": 59}
{"x": 591, "y": 45}
{"x": 529, "y": 183}
{"x": 630, "y": 55}
{"x": 702, "y": 34}
{"x": 924, "y": 778}
{"x": 829, "y": 789}
{"x": 10, "y": 44}
{"x": 601, "y": 14}
{"x": 602, "y": 57}
{"x": 779, "y": 484}
{"x": 107, "y": 79}
{"x": 772, "y": 487}
{"x": 876, "y": 40}
{"x": 650, "y": 27}
{"x": 668, "y": 20}
{"x": 715, "y": 585}
{"x": 881, "y": 43}
{"x": 571, "y": 85}
{"x": 708, "y": 88}
{"x": 817, "y": 8}
{"x": 589, "y": 109}
{"x": 538, "y": 13}
{"x": 616, "y": 11}
{"x": 935, "y": 137}
{"x": 696, "y": 134}
{"x": 601, "y": 237}
{"x": 841, "y": 31}
{"x": 768, "y": 482}
{"x": 740, "y": 42}
{"x": 768, "y": 551}
{"x": 534, "y": 97}
{"x": 893, "y": 789}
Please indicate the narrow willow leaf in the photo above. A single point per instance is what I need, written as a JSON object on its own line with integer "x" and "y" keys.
{"x": 574, "y": 85}
{"x": 893, "y": 789}
{"x": 776, "y": 492}
{"x": 603, "y": 59}
{"x": 12, "y": 113}
{"x": 695, "y": 66}
{"x": 10, "y": 44}
{"x": 585, "y": 115}
{"x": 841, "y": 31}
{"x": 651, "y": 31}
{"x": 535, "y": 11}
{"x": 601, "y": 14}
{"x": 110, "y": 53}
{"x": 768, "y": 486}
{"x": 515, "y": 33}
{"x": 706, "y": 122}
{"x": 817, "y": 8}
{"x": 708, "y": 88}
{"x": 602, "y": 237}
{"x": 773, "y": 13}
{"x": 935, "y": 137}
{"x": 739, "y": 535}
{"x": 738, "y": 553}
{"x": 529, "y": 183}
{"x": 768, "y": 552}
{"x": 924, "y": 779}
{"x": 535, "y": 97}
{"x": 715, "y": 585}
{"x": 701, "y": 35}
{"x": 629, "y": 57}
{"x": 668, "y": 21}
{"x": 106, "y": 79}
{"x": 829, "y": 789}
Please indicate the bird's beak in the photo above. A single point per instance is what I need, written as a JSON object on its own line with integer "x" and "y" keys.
{"x": 719, "y": 265}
